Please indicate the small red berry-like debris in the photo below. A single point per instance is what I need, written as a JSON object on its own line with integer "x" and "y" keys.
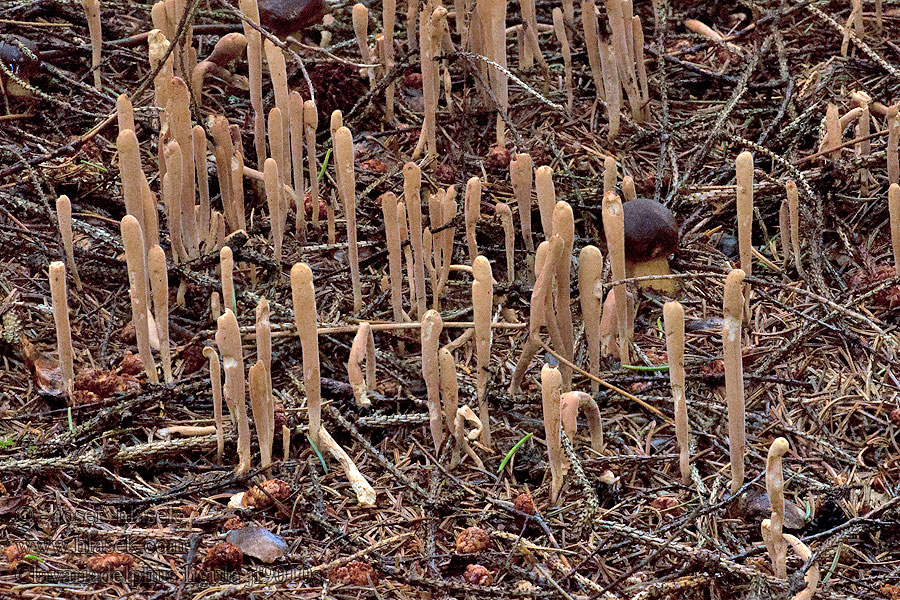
{"x": 113, "y": 561}
{"x": 478, "y": 575}
{"x": 224, "y": 556}
{"x": 356, "y": 572}
{"x": 472, "y": 540}
{"x": 266, "y": 493}
{"x": 498, "y": 158}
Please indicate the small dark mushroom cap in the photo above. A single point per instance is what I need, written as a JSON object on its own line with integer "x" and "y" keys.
{"x": 287, "y": 17}
{"x": 650, "y": 230}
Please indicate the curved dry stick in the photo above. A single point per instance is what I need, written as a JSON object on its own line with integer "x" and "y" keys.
{"x": 363, "y": 348}
{"x": 673, "y": 315}
{"x": 133, "y": 241}
{"x": 343, "y": 156}
{"x": 546, "y": 198}
{"x": 775, "y": 490}
{"x": 59, "y": 299}
{"x": 572, "y": 402}
{"x": 590, "y": 275}
{"x": 159, "y": 286}
{"x": 482, "y": 308}
{"x": 64, "y": 219}
{"x": 432, "y": 325}
{"x": 744, "y": 169}
{"x": 734, "y": 375}
{"x": 521, "y": 175}
{"x": 303, "y": 294}
{"x": 614, "y": 229}
{"x": 228, "y": 339}
{"x": 472, "y": 211}
{"x": 501, "y": 209}
{"x": 551, "y": 380}
{"x": 215, "y": 381}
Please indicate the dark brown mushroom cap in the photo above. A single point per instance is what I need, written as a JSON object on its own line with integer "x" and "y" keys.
{"x": 287, "y": 17}
{"x": 17, "y": 60}
{"x": 650, "y": 230}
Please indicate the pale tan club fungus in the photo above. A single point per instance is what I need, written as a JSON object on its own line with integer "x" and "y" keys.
{"x": 744, "y": 169}
{"x": 178, "y": 112}
{"x": 624, "y": 54}
{"x": 226, "y": 264}
{"x": 172, "y": 190}
{"x": 310, "y": 124}
{"x": 431, "y": 29}
{"x": 215, "y": 305}
{"x": 395, "y": 254}
{"x": 734, "y": 374}
{"x": 501, "y": 209}
{"x": 487, "y": 36}
{"x": 124, "y": 113}
{"x": 278, "y": 75}
{"x": 628, "y": 191}
{"x": 295, "y": 101}
{"x": 610, "y": 174}
{"x": 775, "y": 490}
{"x": 412, "y": 186}
{"x": 264, "y": 341}
{"x": 136, "y": 258}
{"x": 793, "y": 199}
{"x": 159, "y": 287}
{"x": 432, "y": 325}
{"x": 812, "y": 575}
{"x": 215, "y": 381}
{"x": 276, "y": 128}
{"x": 571, "y": 403}
{"x": 832, "y": 139}
{"x": 564, "y": 227}
{"x": 228, "y": 340}
{"x": 360, "y": 18}
{"x": 551, "y": 380}
{"x": 546, "y": 198}
{"x": 343, "y": 156}
{"x": 590, "y": 276}
{"x": 784, "y": 227}
{"x": 457, "y": 415}
{"x": 198, "y": 137}
{"x": 613, "y": 87}
{"x": 673, "y": 317}
{"x": 521, "y": 174}
{"x": 482, "y": 309}
{"x": 223, "y": 151}
{"x": 545, "y": 260}
{"x": 643, "y": 80}
{"x": 92, "y": 13}
{"x": 472, "y": 212}
{"x": 263, "y": 407}
{"x": 559, "y": 27}
{"x": 592, "y": 42}
{"x": 388, "y": 18}
{"x": 894, "y": 209}
{"x": 229, "y": 47}
{"x": 64, "y": 219}
{"x": 893, "y": 152}
{"x": 273, "y": 201}
{"x": 303, "y": 294}
{"x": 254, "y": 69}
{"x": 614, "y": 230}
{"x": 403, "y": 228}
{"x": 131, "y": 174}
{"x": 609, "y": 324}
{"x": 449, "y": 209}
{"x": 651, "y": 235}
{"x": 59, "y": 298}
{"x": 363, "y": 348}
{"x": 365, "y": 494}
{"x": 157, "y": 46}
{"x": 237, "y": 188}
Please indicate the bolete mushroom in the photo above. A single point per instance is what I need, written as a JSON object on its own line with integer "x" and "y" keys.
{"x": 651, "y": 235}
{"x": 290, "y": 17}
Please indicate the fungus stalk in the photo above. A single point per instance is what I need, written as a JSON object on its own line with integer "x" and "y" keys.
{"x": 564, "y": 227}
{"x": 893, "y": 152}
{"x": 643, "y": 82}
{"x": 226, "y": 266}
{"x": 360, "y": 18}
{"x": 502, "y": 210}
{"x": 403, "y": 228}
{"x": 571, "y": 403}
{"x": 794, "y": 217}
{"x": 178, "y": 112}
{"x": 734, "y": 374}
{"x": 133, "y": 241}
{"x": 546, "y": 198}
{"x": 613, "y": 87}
{"x": 395, "y": 256}
{"x": 295, "y": 103}
{"x": 388, "y": 17}
{"x": 228, "y": 339}
{"x": 131, "y": 174}
{"x": 894, "y": 209}
{"x": 254, "y": 69}
{"x": 521, "y": 174}
{"x": 343, "y": 155}
{"x": 551, "y": 380}
{"x": 363, "y": 348}
{"x": 744, "y": 169}
{"x": 431, "y": 27}
{"x": 278, "y": 75}
{"x": 472, "y": 212}
{"x": 590, "y": 274}
{"x": 482, "y": 308}
{"x": 775, "y": 489}
{"x": 223, "y": 151}
{"x": 365, "y": 494}
{"x": 215, "y": 381}
{"x": 592, "y": 42}
{"x": 432, "y": 325}
{"x": 812, "y": 575}
{"x": 263, "y": 412}
{"x": 264, "y": 343}
{"x": 273, "y": 200}
{"x": 198, "y": 136}
{"x": 310, "y": 124}
{"x": 449, "y": 385}
{"x": 614, "y": 229}
{"x": 64, "y": 219}
{"x": 412, "y": 185}
{"x": 303, "y": 294}
{"x": 559, "y": 27}
{"x": 623, "y": 54}
{"x": 159, "y": 286}
{"x": 673, "y": 315}
{"x": 59, "y": 298}
{"x": 92, "y": 13}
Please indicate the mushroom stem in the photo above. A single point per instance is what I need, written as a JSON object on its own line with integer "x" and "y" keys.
{"x": 590, "y": 273}
{"x": 296, "y": 134}
{"x": 673, "y": 315}
{"x": 228, "y": 339}
{"x": 215, "y": 381}
{"x": 133, "y": 241}
{"x": 501, "y": 209}
{"x": 893, "y": 152}
{"x": 264, "y": 344}
{"x": 159, "y": 286}
{"x": 613, "y": 87}
{"x": 92, "y": 13}
{"x": 263, "y": 412}
{"x": 310, "y": 124}
{"x": 303, "y": 294}
{"x": 573, "y": 402}
{"x": 559, "y": 27}
{"x": 343, "y": 155}
{"x": 564, "y": 226}
{"x": 610, "y": 175}
{"x": 775, "y": 490}
{"x": 472, "y": 210}
{"x": 432, "y": 325}
{"x": 254, "y": 69}
{"x": 395, "y": 256}
{"x": 550, "y": 384}
{"x": 365, "y": 495}
{"x": 278, "y": 75}
{"x": 273, "y": 197}
{"x": 592, "y": 42}
{"x": 203, "y": 216}
{"x": 64, "y": 219}
{"x": 363, "y": 348}
{"x": 360, "y": 18}
{"x": 521, "y": 174}
{"x": 894, "y": 210}
{"x": 412, "y": 185}
{"x": 130, "y": 174}
{"x": 482, "y": 307}
{"x": 58, "y": 296}
{"x": 812, "y": 575}
{"x": 614, "y": 229}
{"x": 744, "y": 169}
{"x": 449, "y": 386}
{"x": 734, "y": 375}
{"x": 226, "y": 266}
{"x": 546, "y": 198}
{"x": 403, "y": 229}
